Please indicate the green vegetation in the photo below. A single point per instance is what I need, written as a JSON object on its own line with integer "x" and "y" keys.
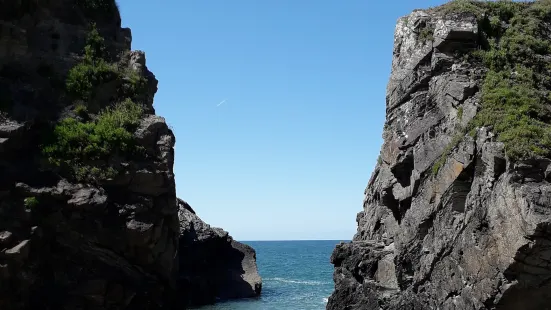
{"x": 95, "y": 45}
{"x": 502, "y": 9}
{"x": 84, "y": 77}
{"x": 30, "y": 202}
{"x": 426, "y": 34}
{"x": 133, "y": 84}
{"x": 452, "y": 145}
{"x": 84, "y": 148}
{"x": 81, "y": 110}
{"x": 460, "y": 113}
{"x": 516, "y": 92}
{"x": 93, "y": 70}
{"x": 462, "y": 6}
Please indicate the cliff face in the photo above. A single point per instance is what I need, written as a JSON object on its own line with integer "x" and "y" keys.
{"x": 88, "y": 211}
{"x": 457, "y": 214}
{"x": 84, "y": 221}
{"x": 213, "y": 266}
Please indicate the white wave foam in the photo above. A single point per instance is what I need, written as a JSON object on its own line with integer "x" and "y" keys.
{"x": 297, "y": 281}
{"x": 325, "y": 300}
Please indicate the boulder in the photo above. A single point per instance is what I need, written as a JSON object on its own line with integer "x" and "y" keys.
{"x": 213, "y": 266}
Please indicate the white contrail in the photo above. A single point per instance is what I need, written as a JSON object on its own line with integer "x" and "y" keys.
{"x": 221, "y": 102}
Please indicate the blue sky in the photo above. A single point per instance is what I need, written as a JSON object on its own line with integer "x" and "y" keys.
{"x": 288, "y": 154}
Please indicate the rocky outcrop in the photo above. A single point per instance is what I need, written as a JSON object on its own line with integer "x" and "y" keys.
{"x": 213, "y": 266}
{"x": 88, "y": 209}
{"x": 450, "y": 220}
{"x": 87, "y": 243}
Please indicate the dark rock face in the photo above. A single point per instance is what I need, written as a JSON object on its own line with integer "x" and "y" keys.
{"x": 474, "y": 234}
{"x": 77, "y": 245}
{"x": 212, "y": 265}
{"x": 107, "y": 242}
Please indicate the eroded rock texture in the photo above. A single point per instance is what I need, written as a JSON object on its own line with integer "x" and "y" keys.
{"x": 212, "y": 265}
{"x": 110, "y": 239}
{"x": 78, "y": 245}
{"x": 102, "y": 233}
{"x": 473, "y": 234}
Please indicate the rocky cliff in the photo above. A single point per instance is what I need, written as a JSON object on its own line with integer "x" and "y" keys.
{"x": 219, "y": 267}
{"x": 88, "y": 210}
{"x": 457, "y": 214}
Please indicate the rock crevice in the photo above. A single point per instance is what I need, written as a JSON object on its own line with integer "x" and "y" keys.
{"x": 450, "y": 220}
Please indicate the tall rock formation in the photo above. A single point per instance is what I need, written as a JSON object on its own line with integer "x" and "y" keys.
{"x": 88, "y": 215}
{"x": 457, "y": 214}
{"x": 88, "y": 209}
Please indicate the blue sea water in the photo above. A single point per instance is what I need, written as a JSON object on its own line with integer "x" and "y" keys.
{"x": 296, "y": 275}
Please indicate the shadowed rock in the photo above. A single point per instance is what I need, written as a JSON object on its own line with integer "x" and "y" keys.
{"x": 213, "y": 266}
{"x": 98, "y": 227}
{"x": 68, "y": 244}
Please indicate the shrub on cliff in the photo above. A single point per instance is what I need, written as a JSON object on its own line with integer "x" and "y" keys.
{"x": 83, "y": 149}
{"x": 86, "y": 147}
{"x": 94, "y": 70}
{"x": 132, "y": 85}
{"x": 84, "y": 77}
{"x": 515, "y": 94}
{"x": 505, "y": 8}
{"x": 95, "y": 45}
{"x": 30, "y": 202}
{"x": 426, "y": 34}
{"x": 461, "y": 6}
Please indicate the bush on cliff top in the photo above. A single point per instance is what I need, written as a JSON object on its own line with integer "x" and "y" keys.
{"x": 516, "y": 93}
{"x": 504, "y": 8}
{"x": 461, "y": 6}
{"x": 94, "y": 70}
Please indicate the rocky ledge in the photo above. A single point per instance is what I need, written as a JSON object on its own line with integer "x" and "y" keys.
{"x": 215, "y": 267}
{"x": 88, "y": 212}
{"x": 457, "y": 214}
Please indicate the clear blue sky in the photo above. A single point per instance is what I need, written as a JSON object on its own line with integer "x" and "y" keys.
{"x": 288, "y": 154}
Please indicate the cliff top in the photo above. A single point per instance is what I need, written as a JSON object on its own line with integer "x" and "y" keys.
{"x": 514, "y": 48}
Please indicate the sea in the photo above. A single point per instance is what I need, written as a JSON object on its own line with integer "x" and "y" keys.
{"x": 296, "y": 275}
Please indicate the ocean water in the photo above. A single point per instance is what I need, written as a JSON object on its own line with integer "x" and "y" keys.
{"x": 296, "y": 275}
